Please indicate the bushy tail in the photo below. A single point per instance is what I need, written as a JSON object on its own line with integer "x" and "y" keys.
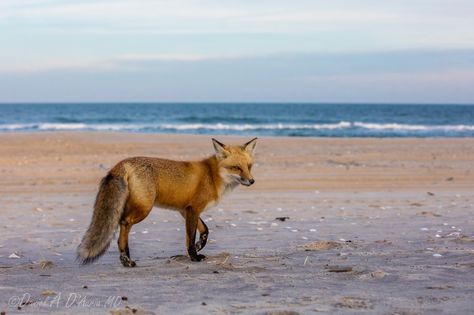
{"x": 108, "y": 209}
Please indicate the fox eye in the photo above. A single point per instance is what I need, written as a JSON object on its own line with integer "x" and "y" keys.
{"x": 250, "y": 166}
{"x": 236, "y": 168}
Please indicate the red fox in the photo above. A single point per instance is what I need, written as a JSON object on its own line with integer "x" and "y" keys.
{"x": 133, "y": 186}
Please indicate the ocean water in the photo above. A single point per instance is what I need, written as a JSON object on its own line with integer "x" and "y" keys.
{"x": 306, "y": 120}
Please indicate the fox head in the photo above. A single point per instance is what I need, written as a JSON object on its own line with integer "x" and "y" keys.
{"x": 235, "y": 162}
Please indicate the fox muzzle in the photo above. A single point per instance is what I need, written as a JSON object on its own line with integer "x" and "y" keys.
{"x": 247, "y": 182}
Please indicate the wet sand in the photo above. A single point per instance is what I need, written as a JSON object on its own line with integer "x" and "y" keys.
{"x": 383, "y": 226}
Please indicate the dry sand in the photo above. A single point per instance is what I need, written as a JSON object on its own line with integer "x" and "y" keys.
{"x": 375, "y": 226}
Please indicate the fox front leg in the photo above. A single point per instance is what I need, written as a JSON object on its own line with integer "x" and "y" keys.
{"x": 203, "y": 234}
{"x": 192, "y": 219}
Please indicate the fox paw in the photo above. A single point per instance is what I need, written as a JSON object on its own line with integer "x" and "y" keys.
{"x": 198, "y": 257}
{"x": 126, "y": 261}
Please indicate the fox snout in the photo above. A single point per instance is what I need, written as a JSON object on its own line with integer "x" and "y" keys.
{"x": 247, "y": 182}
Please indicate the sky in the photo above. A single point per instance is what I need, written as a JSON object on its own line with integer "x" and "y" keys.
{"x": 398, "y": 51}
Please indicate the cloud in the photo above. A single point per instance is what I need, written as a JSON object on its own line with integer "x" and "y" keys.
{"x": 288, "y": 64}
{"x": 175, "y": 57}
{"x": 237, "y": 17}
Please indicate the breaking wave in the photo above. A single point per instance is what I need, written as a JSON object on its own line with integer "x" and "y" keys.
{"x": 350, "y": 128}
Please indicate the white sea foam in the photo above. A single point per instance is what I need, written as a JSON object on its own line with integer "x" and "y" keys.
{"x": 405, "y": 127}
{"x": 243, "y": 127}
{"x": 62, "y": 126}
{"x": 14, "y": 127}
{"x": 169, "y": 127}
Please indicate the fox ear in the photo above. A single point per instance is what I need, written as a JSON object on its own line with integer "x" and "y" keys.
{"x": 250, "y": 146}
{"x": 220, "y": 149}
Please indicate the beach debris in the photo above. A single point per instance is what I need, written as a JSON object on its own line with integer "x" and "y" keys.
{"x": 257, "y": 222}
{"x": 39, "y": 209}
{"x": 283, "y": 219}
{"x": 259, "y": 229}
{"x": 130, "y": 311}
{"x": 124, "y": 298}
{"x": 305, "y": 260}
{"x": 281, "y": 312}
{"x": 321, "y": 245}
{"x": 304, "y": 238}
{"x": 14, "y": 256}
{"x": 85, "y": 287}
{"x": 430, "y": 193}
{"x": 46, "y": 264}
{"x": 145, "y": 232}
{"x": 48, "y": 293}
{"x": 294, "y": 230}
{"x": 449, "y": 179}
{"x": 428, "y": 214}
{"x": 233, "y": 225}
{"x": 462, "y": 238}
{"x": 253, "y": 212}
{"x": 437, "y": 255}
{"x": 338, "y": 268}
{"x": 103, "y": 167}
{"x": 437, "y": 235}
{"x": 378, "y": 274}
{"x": 440, "y": 287}
{"x": 416, "y": 204}
{"x": 312, "y": 230}
{"x": 274, "y": 224}
{"x": 354, "y": 303}
{"x": 386, "y": 242}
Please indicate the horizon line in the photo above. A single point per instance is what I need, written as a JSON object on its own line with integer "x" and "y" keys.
{"x": 235, "y": 103}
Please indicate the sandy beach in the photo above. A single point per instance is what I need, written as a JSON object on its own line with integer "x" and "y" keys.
{"x": 382, "y": 226}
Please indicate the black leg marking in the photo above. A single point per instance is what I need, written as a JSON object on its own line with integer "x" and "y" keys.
{"x": 126, "y": 261}
{"x": 203, "y": 236}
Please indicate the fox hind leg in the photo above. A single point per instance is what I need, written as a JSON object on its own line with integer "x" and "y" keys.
{"x": 125, "y": 259}
{"x": 133, "y": 214}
